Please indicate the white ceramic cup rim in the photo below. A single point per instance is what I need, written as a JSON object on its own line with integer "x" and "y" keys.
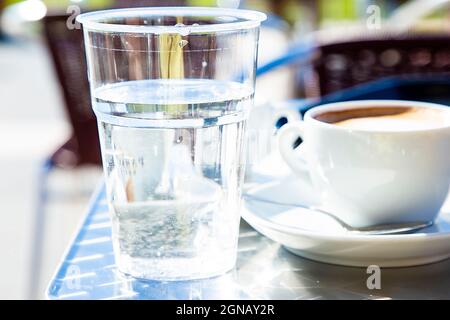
{"x": 359, "y": 104}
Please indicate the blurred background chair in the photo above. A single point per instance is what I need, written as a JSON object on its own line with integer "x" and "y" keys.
{"x": 67, "y": 51}
{"x": 415, "y": 66}
{"x": 351, "y": 62}
{"x": 69, "y": 62}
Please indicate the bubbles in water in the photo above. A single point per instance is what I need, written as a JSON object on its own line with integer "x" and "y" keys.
{"x": 127, "y": 45}
{"x": 184, "y": 30}
{"x": 182, "y": 43}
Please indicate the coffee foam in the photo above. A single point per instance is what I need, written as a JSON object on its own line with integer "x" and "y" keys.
{"x": 403, "y": 119}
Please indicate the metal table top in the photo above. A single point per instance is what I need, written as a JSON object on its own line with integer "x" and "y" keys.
{"x": 264, "y": 270}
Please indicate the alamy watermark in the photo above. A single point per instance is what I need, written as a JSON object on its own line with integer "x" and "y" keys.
{"x": 73, "y": 277}
{"x": 71, "y": 22}
{"x": 373, "y": 21}
{"x": 374, "y": 280}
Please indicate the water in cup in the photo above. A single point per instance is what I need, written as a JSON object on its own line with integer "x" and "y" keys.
{"x": 173, "y": 158}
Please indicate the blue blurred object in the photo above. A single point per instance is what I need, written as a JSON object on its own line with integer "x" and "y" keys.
{"x": 298, "y": 54}
{"x": 39, "y": 223}
{"x": 434, "y": 89}
{"x": 276, "y": 22}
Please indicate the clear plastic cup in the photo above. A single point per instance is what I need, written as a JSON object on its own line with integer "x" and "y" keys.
{"x": 171, "y": 89}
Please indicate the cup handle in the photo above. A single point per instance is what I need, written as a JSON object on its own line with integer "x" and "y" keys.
{"x": 288, "y": 115}
{"x": 287, "y": 136}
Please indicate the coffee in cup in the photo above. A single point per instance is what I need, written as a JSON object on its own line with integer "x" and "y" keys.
{"x": 375, "y": 161}
{"x": 386, "y": 118}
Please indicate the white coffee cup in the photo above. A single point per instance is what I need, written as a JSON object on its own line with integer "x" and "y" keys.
{"x": 372, "y": 176}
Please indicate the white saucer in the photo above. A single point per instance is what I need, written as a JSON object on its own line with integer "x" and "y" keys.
{"x": 315, "y": 236}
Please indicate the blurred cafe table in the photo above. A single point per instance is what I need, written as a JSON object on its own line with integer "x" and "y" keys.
{"x": 265, "y": 270}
